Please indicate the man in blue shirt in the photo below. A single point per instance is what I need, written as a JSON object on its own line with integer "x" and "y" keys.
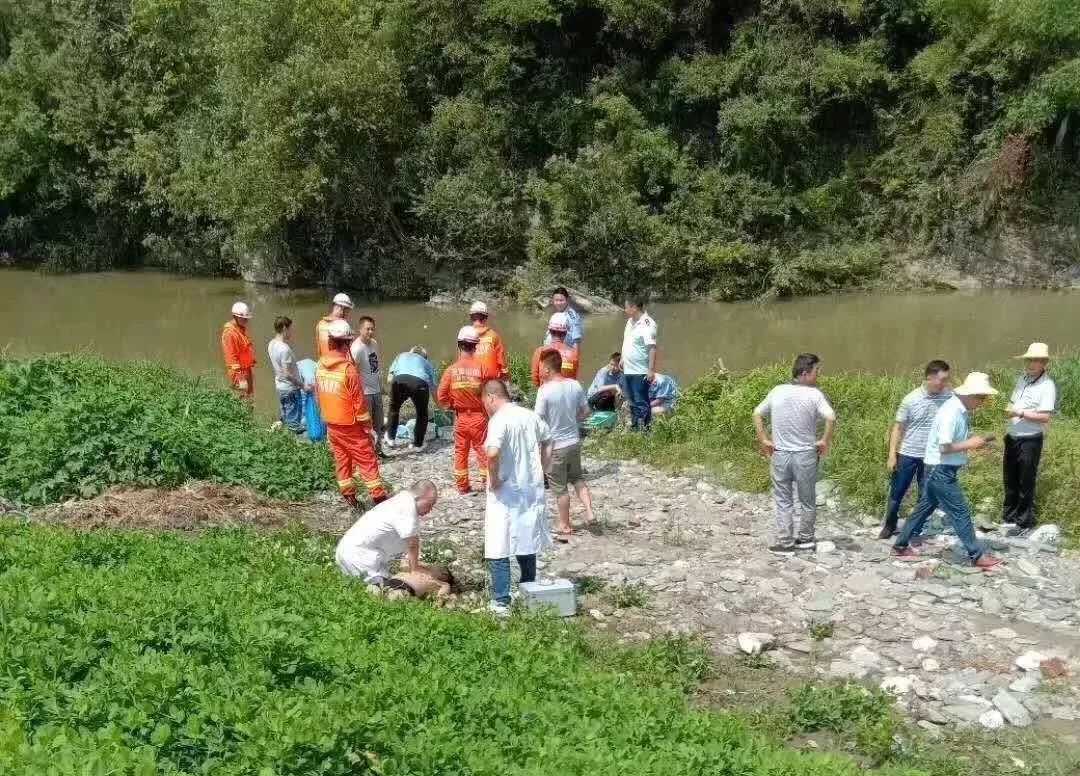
{"x": 560, "y": 300}
{"x": 663, "y": 393}
{"x": 411, "y": 377}
{"x": 947, "y": 448}
{"x": 606, "y": 388}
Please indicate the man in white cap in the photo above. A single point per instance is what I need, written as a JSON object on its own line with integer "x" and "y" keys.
{"x": 947, "y": 448}
{"x": 239, "y": 351}
{"x": 340, "y": 309}
{"x": 558, "y": 326}
{"x": 1032, "y": 404}
{"x": 490, "y": 349}
{"x": 459, "y": 390}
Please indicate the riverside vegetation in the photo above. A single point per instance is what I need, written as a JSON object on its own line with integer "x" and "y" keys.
{"x": 681, "y": 146}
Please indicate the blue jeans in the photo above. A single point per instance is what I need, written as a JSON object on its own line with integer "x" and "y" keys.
{"x": 292, "y": 409}
{"x": 500, "y": 575}
{"x": 637, "y": 395}
{"x": 942, "y": 491}
{"x": 908, "y": 470}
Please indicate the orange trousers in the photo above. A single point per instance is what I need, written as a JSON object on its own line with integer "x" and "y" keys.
{"x": 243, "y": 374}
{"x": 470, "y": 430}
{"x": 354, "y": 458}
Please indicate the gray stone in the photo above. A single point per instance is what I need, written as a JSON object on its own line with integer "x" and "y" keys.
{"x": 991, "y": 603}
{"x": 938, "y": 591}
{"x": 1027, "y": 567}
{"x": 803, "y": 647}
{"x": 755, "y": 643}
{"x": 1058, "y": 613}
{"x": 923, "y": 644}
{"x": 1030, "y": 661}
{"x": 965, "y": 712}
{"x": 992, "y": 720}
{"x": 1025, "y": 684}
{"x": 863, "y": 583}
{"x": 1003, "y": 633}
{"x": 1013, "y": 710}
{"x": 820, "y": 603}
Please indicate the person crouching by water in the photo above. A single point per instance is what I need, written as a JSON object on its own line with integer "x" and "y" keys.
{"x": 795, "y": 450}
{"x": 287, "y": 380}
{"x": 947, "y": 448}
{"x": 239, "y": 351}
{"x": 340, "y": 393}
{"x": 1032, "y": 404}
{"x": 518, "y": 449}
{"x": 386, "y": 531}
{"x": 606, "y": 387}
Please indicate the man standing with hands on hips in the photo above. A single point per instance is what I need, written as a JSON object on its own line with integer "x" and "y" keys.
{"x": 638, "y": 361}
{"x": 1030, "y": 408}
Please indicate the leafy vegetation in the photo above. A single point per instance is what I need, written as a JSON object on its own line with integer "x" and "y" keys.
{"x": 713, "y": 428}
{"x": 75, "y": 425}
{"x": 687, "y": 147}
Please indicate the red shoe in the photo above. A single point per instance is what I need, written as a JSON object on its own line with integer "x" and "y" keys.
{"x": 987, "y": 562}
{"x": 904, "y": 552}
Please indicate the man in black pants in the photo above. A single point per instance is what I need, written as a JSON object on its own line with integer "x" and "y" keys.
{"x": 1031, "y": 406}
{"x": 411, "y": 377}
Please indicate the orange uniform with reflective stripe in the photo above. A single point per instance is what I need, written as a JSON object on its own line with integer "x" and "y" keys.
{"x": 239, "y": 353}
{"x": 322, "y": 336}
{"x": 459, "y": 390}
{"x": 348, "y": 424}
{"x": 491, "y": 351}
{"x": 570, "y": 361}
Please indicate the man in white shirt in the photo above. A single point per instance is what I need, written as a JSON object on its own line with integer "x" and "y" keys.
{"x": 795, "y": 449}
{"x": 1032, "y": 404}
{"x": 389, "y": 529}
{"x": 518, "y": 448}
{"x": 561, "y": 403}
{"x": 638, "y": 361}
{"x": 365, "y": 353}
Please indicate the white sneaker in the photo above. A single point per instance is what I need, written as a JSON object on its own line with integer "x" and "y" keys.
{"x": 419, "y": 448}
{"x": 499, "y": 610}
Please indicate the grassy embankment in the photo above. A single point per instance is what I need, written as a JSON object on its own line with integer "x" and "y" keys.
{"x": 713, "y": 428}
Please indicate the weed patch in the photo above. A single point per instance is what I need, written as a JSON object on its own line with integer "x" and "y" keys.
{"x": 635, "y": 596}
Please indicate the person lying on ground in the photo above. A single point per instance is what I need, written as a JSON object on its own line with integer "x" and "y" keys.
{"x": 606, "y": 390}
{"x": 426, "y": 581}
{"x": 386, "y": 531}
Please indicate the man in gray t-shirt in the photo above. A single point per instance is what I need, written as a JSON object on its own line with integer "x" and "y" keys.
{"x": 286, "y": 377}
{"x": 365, "y": 352}
{"x": 795, "y": 450}
{"x": 907, "y": 441}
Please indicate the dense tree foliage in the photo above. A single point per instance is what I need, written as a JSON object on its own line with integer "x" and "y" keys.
{"x": 724, "y": 147}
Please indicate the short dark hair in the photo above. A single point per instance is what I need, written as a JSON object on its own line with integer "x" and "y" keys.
{"x": 937, "y": 366}
{"x": 496, "y": 388}
{"x": 804, "y": 363}
{"x": 637, "y": 300}
{"x": 365, "y": 319}
{"x": 468, "y": 347}
{"x": 616, "y": 356}
{"x": 552, "y": 358}
{"x": 561, "y": 290}
{"x": 281, "y": 323}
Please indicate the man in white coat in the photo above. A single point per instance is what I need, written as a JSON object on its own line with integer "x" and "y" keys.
{"x": 518, "y": 449}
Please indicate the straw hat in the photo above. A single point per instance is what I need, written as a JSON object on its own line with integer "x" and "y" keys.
{"x": 975, "y": 384}
{"x": 1037, "y": 350}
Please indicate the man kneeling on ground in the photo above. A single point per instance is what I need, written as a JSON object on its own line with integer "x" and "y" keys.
{"x": 384, "y": 532}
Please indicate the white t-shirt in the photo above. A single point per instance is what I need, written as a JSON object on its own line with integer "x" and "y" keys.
{"x": 380, "y": 535}
{"x": 283, "y": 362}
{"x": 795, "y": 410}
{"x": 558, "y": 402}
{"x": 515, "y": 521}
{"x": 366, "y": 356}
{"x": 638, "y": 338}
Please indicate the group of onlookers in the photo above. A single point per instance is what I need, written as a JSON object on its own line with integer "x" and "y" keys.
{"x": 929, "y": 444}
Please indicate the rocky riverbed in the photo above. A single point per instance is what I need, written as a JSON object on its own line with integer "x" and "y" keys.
{"x": 958, "y": 647}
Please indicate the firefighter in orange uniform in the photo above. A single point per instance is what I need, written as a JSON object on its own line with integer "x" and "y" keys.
{"x": 348, "y": 423}
{"x": 239, "y": 351}
{"x": 459, "y": 390}
{"x": 558, "y": 325}
{"x": 490, "y": 349}
{"x": 342, "y": 306}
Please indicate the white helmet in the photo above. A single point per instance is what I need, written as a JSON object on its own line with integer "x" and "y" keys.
{"x": 342, "y": 300}
{"x": 339, "y": 328}
{"x": 478, "y": 308}
{"x": 467, "y": 334}
{"x": 241, "y": 310}
{"x": 559, "y": 322}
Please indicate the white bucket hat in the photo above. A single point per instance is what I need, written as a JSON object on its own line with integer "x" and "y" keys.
{"x": 241, "y": 310}
{"x": 1037, "y": 350}
{"x": 339, "y": 328}
{"x": 467, "y": 334}
{"x": 342, "y": 300}
{"x": 559, "y": 322}
{"x": 478, "y": 308}
{"x": 975, "y": 384}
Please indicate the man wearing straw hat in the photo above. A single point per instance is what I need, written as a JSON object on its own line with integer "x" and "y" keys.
{"x": 1030, "y": 408}
{"x": 947, "y": 449}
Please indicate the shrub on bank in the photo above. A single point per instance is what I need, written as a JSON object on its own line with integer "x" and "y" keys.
{"x": 75, "y": 425}
{"x": 237, "y": 653}
{"x": 713, "y": 427}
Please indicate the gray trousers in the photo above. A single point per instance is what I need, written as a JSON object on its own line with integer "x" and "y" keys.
{"x": 798, "y": 470}
{"x": 378, "y": 419}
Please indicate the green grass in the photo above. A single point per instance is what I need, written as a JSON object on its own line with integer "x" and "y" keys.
{"x": 631, "y": 596}
{"x": 238, "y": 653}
{"x": 713, "y": 428}
{"x": 71, "y": 426}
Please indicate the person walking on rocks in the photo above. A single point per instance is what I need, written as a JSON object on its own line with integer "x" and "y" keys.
{"x": 340, "y": 309}
{"x": 287, "y": 380}
{"x": 340, "y": 392}
{"x": 518, "y": 449}
{"x": 365, "y": 353}
{"x": 947, "y": 446}
{"x": 560, "y": 300}
{"x": 638, "y": 361}
{"x": 907, "y": 440}
{"x": 561, "y": 404}
{"x": 489, "y": 348}
{"x": 795, "y": 451}
{"x": 412, "y": 377}
{"x": 239, "y": 351}
{"x": 459, "y": 390}
{"x": 1032, "y": 404}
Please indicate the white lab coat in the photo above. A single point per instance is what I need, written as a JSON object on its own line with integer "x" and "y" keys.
{"x": 515, "y": 521}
